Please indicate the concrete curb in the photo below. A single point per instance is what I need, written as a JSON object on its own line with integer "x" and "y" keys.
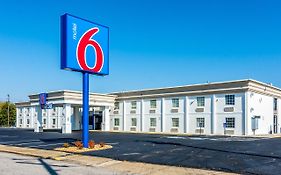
{"x": 115, "y": 165}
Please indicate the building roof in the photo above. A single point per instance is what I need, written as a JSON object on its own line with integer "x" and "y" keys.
{"x": 206, "y": 88}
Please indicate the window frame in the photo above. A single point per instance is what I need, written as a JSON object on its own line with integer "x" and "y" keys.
{"x": 151, "y": 122}
{"x": 133, "y": 105}
{"x": 116, "y": 119}
{"x": 132, "y": 122}
{"x": 228, "y": 100}
{"x": 199, "y": 122}
{"x": 116, "y": 107}
{"x": 151, "y": 104}
{"x": 175, "y": 102}
{"x": 200, "y": 103}
{"x": 175, "y": 124}
{"x": 230, "y": 125}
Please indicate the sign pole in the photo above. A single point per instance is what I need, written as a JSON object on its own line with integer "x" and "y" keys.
{"x": 85, "y": 133}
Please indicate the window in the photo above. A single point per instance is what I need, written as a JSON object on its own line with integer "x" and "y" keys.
{"x": 116, "y": 105}
{"x": 175, "y": 103}
{"x": 20, "y": 110}
{"x": 153, "y": 122}
{"x": 230, "y": 122}
{"x": 27, "y": 121}
{"x": 44, "y": 121}
{"x": 200, "y": 122}
{"x": 54, "y": 109}
{"x": 201, "y": 101}
{"x": 152, "y": 103}
{"x": 28, "y": 110}
{"x": 54, "y": 121}
{"x": 20, "y": 121}
{"x": 275, "y": 104}
{"x": 230, "y": 99}
{"x": 175, "y": 122}
{"x": 134, "y": 121}
{"x": 116, "y": 122}
{"x": 133, "y": 105}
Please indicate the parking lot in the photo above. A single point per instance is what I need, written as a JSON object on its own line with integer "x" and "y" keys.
{"x": 233, "y": 154}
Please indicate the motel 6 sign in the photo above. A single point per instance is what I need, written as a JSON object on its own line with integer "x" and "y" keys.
{"x": 84, "y": 46}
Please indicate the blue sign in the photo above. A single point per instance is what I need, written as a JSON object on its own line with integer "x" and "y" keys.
{"x": 43, "y": 98}
{"x": 84, "y": 46}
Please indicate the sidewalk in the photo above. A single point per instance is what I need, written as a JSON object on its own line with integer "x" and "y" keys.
{"x": 114, "y": 165}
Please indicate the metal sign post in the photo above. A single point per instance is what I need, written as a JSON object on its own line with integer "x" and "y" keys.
{"x": 85, "y": 134}
{"x": 76, "y": 36}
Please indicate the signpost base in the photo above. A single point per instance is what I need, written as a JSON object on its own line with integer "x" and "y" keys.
{"x": 85, "y": 116}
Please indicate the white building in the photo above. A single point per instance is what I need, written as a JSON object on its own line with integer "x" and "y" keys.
{"x": 243, "y": 107}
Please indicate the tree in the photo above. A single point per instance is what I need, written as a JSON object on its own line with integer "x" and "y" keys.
{"x": 4, "y": 114}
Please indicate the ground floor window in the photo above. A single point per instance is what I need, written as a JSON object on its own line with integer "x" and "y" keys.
{"x": 54, "y": 121}
{"x": 20, "y": 121}
{"x": 27, "y": 121}
{"x": 116, "y": 122}
{"x": 230, "y": 122}
{"x": 200, "y": 122}
{"x": 134, "y": 121}
{"x": 153, "y": 122}
{"x": 175, "y": 122}
{"x": 44, "y": 121}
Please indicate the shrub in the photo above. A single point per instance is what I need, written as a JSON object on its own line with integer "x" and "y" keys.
{"x": 78, "y": 144}
{"x": 102, "y": 144}
{"x": 65, "y": 145}
{"x": 91, "y": 144}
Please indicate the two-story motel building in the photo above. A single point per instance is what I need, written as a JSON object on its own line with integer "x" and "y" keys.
{"x": 243, "y": 107}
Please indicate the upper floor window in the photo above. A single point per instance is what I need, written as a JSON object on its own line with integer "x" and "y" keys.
{"x": 152, "y": 103}
{"x": 200, "y": 101}
{"x": 133, "y": 105}
{"x": 116, "y": 105}
{"x": 275, "y": 104}
{"x": 230, "y": 99}
{"x": 27, "y": 110}
{"x": 175, "y": 103}
{"x": 20, "y": 110}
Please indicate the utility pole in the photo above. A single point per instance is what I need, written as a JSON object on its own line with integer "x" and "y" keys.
{"x": 8, "y": 110}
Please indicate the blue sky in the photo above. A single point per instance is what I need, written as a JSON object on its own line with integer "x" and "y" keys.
{"x": 152, "y": 43}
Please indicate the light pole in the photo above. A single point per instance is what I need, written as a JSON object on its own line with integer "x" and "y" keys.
{"x": 8, "y": 110}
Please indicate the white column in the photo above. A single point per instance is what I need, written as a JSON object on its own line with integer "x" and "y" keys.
{"x": 124, "y": 116}
{"x": 32, "y": 110}
{"x": 213, "y": 115}
{"x": 66, "y": 126}
{"x": 245, "y": 114}
{"x": 186, "y": 118}
{"x": 106, "y": 119}
{"x": 142, "y": 116}
{"x": 38, "y": 119}
{"x": 17, "y": 118}
{"x": 162, "y": 114}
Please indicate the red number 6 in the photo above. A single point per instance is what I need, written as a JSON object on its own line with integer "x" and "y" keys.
{"x": 82, "y": 45}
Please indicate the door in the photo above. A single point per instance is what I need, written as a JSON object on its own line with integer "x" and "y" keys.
{"x": 275, "y": 124}
{"x": 98, "y": 121}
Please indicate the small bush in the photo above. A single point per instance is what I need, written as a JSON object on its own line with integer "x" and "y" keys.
{"x": 65, "y": 145}
{"x": 91, "y": 144}
{"x": 102, "y": 144}
{"x": 78, "y": 144}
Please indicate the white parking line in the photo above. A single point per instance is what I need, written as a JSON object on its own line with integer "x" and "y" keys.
{"x": 114, "y": 143}
{"x": 130, "y": 154}
{"x": 45, "y": 145}
{"x": 29, "y": 143}
{"x": 18, "y": 142}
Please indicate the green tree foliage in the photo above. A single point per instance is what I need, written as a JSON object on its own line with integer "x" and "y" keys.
{"x": 4, "y": 114}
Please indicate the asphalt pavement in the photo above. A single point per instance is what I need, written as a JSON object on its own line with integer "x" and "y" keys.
{"x": 244, "y": 155}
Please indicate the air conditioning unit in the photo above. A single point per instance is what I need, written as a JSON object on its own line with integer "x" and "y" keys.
{"x": 115, "y": 128}
{"x": 115, "y": 112}
{"x": 27, "y": 126}
{"x": 133, "y": 129}
{"x": 133, "y": 112}
{"x": 53, "y": 126}
{"x": 174, "y": 130}
{"x": 199, "y": 131}
{"x": 174, "y": 110}
{"x": 199, "y": 110}
{"x": 53, "y": 113}
{"x": 229, "y": 132}
{"x": 152, "y": 129}
{"x": 152, "y": 111}
{"x": 228, "y": 109}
